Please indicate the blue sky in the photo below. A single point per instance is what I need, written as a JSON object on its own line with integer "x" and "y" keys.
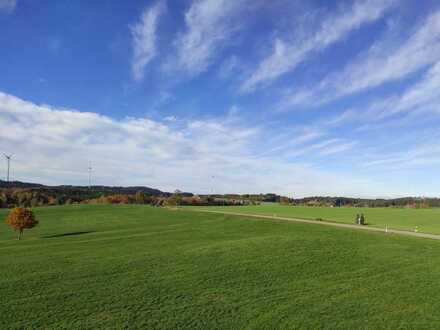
{"x": 293, "y": 97}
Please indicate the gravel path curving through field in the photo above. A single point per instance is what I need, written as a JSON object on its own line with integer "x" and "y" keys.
{"x": 325, "y": 223}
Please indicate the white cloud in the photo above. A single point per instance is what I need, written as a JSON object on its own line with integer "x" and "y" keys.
{"x": 292, "y": 141}
{"x": 422, "y": 94}
{"x": 287, "y": 55}
{"x": 336, "y": 148}
{"x": 170, "y": 118}
{"x": 425, "y": 154}
{"x": 376, "y": 67}
{"x": 323, "y": 148}
{"x": 417, "y": 100}
{"x": 209, "y": 25}
{"x": 145, "y": 39}
{"x": 7, "y": 6}
{"x": 54, "y": 146}
{"x": 230, "y": 67}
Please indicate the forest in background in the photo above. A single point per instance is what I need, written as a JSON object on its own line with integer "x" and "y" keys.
{"x": 32, "y": 195}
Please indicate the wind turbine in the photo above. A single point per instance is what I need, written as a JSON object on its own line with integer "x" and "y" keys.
{"x": 90, "y": 168}
{"x": 8, "y": 159}
{"x": 212, "y": 184}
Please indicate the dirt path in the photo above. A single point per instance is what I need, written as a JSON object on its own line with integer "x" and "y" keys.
{"x": 325, "y": 223}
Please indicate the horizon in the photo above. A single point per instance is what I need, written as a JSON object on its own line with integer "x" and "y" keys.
{"x": 213, "y": 194}
{"x": 210, "y": 96}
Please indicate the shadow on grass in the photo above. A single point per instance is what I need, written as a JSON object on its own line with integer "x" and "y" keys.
{"x": 76, "y": 233}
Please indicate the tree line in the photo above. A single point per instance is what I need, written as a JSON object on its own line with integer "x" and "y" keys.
{"x": 410, "y": 202}
{"x": 33, "y": 195}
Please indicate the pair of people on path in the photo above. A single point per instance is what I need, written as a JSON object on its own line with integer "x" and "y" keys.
{"x": 360, "y": 219}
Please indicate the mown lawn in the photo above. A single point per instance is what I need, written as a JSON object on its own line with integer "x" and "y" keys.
{"x": 142, "y": 267}
{"x": 426, "y": 220}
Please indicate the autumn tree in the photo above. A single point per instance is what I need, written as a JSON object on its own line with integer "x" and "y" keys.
{"x": 175, "y": 199}
{"x": 140, "y": 197}
{"x": 284, "y": 200}
{"x": 20, "y": 219}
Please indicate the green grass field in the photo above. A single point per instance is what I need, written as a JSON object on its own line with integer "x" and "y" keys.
{"x": 141, "y": 267}
{"x": 427, "y": 220}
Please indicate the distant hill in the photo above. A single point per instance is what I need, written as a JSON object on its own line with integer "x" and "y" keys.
{"x": 18, "y": 184}
{"x": 92, "y": 190}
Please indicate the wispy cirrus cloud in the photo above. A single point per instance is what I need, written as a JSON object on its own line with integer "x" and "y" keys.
{"x": 7, "y": 6}
{"x": 423, "y": 94}
{"x": 286, "y": 56}
{"x": 422, "y": 155}
{"x": 324, "y": 148}
{"x": 377, "y": 66}
{"x": 291, "y": 140}
{"x": 414, "y": 102}
{"x": 209, "y": 24}
{"x": 144, "y": 39}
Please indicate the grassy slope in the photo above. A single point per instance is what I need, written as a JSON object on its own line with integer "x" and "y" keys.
{"x": 143, "y": 267}
{"x": 427, "y": 220}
